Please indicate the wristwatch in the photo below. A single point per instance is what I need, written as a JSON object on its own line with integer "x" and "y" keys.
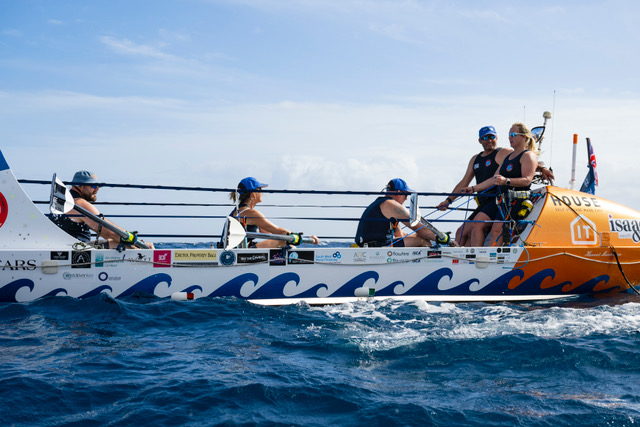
{"x": 508, "y": 181}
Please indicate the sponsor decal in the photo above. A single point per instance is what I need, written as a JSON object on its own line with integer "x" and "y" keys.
{"x": 454, "y": 261}
{"x": 333, "y": 258}
{"x": 162, "y": 258}
{"x": 583, "y": 231}
{"x": 59, "y": 256}
{"x": 509, "y": 167}
{"x": 575, "y": 201}
{"x": 206, "y": 255}
{"x": 626, "y": 228}
{"x": 301, "y": 257}
{"x": 398, "y": 253}
{"x": 4, "y": 209}
{"x": 253, "y": 258}
{"x": 18, "y": 264}
{"x": 470, "y": 256}
{"x": 80, "y": 259}
{"x": 360, "y": 256}
{"x": 74, "y": 276}
{"x": 487, "y": 163}
{"x": 103, "y": 277}
{"x": 434, "y": 254}
{"x": 276, "y": 257}
{"x": 227, "y": 258}
{"x": 102, "y": 260}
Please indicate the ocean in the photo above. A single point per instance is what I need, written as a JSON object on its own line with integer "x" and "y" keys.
{"x": 223, "y": 361}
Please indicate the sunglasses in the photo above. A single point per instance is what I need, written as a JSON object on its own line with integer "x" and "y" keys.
{"x": 514, "y": 134}
{"x": 95, "y": 187}
{"x": 488, "y": 137}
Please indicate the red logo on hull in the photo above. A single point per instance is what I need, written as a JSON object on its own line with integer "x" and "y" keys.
{"x": 4, "y": 209}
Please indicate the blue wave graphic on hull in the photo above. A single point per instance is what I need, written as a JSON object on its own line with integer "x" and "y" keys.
{"x": 192, "y": 288}
{"x": 147, "y": 285}
{"x": 590, "y": 285}
{"x": 347, "y": 290}
{"x": 500, "y": 285}
{"x": 274, "y": 288}
{"x": 233, "y": 286}
{"x": 429, "y": 284}
{"x": 8, "y": 291}
{"x": 96, "y": 291}
{"x": 56, "y": 292}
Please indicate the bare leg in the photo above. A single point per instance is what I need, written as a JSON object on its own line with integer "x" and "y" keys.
{"x": 415, "y": 241}
{"x": 478, "y": 230}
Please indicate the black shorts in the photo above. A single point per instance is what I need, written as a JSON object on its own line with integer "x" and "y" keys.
{"x": 497, "y": 211}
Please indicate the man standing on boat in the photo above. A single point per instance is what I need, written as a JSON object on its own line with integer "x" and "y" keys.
{"x": 379, "y": 224}
{"x": 84, "y": 191}
{"x": 482, "y": 166}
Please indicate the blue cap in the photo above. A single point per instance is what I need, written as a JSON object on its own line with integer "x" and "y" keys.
{"x": 398, "y": 184}
{"x": 84, "y": 178}
{"x": 487, "y": 130}
{"x": 249, "y": 184}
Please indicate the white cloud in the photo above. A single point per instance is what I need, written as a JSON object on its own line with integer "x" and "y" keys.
{"x": 12, "y": 32}
{"x": 129, "y": 48}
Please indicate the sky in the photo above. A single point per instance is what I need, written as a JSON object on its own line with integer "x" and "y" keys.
{"x": 313, "y": 94}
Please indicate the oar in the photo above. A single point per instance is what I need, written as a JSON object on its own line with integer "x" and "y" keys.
{"x": 62, "y": 202}
{"x": 235, "y": 234}
{"x": 415, "y": 218}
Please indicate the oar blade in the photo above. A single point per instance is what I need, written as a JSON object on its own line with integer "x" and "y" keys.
{"x": 235, "y": 233}
{"x": 414, "y": 210}
{"x": 61, "y": 200}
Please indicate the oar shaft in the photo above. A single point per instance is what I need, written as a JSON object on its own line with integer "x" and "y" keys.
{"x": 108, "y": 225}
{"x": 285, "y": 237}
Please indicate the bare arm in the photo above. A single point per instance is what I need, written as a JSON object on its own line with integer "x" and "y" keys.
{"x": 255, "y": 217}
{"x": 103, "y": 231}
{"x": 464, "y": 182}
{"x": 393, "y": 209}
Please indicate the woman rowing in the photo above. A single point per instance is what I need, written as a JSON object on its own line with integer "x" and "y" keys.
{"x": 246, "y": 197}
{"x": 515, "y": 173}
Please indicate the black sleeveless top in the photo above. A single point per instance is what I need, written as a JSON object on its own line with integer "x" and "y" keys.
{"x": 79, "y": 230}
{"x": 511, "y": 168}
{"x": 374, "y": 228}
{"x": 483, "y": 169}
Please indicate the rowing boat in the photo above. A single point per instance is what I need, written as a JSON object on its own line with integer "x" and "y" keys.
{"x": 572, "y": 243}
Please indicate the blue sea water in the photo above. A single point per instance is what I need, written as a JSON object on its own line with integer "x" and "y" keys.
{"x": 149, "y": 361}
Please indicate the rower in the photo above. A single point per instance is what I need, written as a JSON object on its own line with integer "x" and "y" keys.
{"x": 247, "y": 195}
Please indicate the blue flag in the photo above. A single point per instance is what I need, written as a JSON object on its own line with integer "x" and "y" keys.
{"x": 591, "y": 180}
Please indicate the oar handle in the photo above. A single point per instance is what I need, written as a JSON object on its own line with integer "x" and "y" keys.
{"x": 440, "y": 236}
